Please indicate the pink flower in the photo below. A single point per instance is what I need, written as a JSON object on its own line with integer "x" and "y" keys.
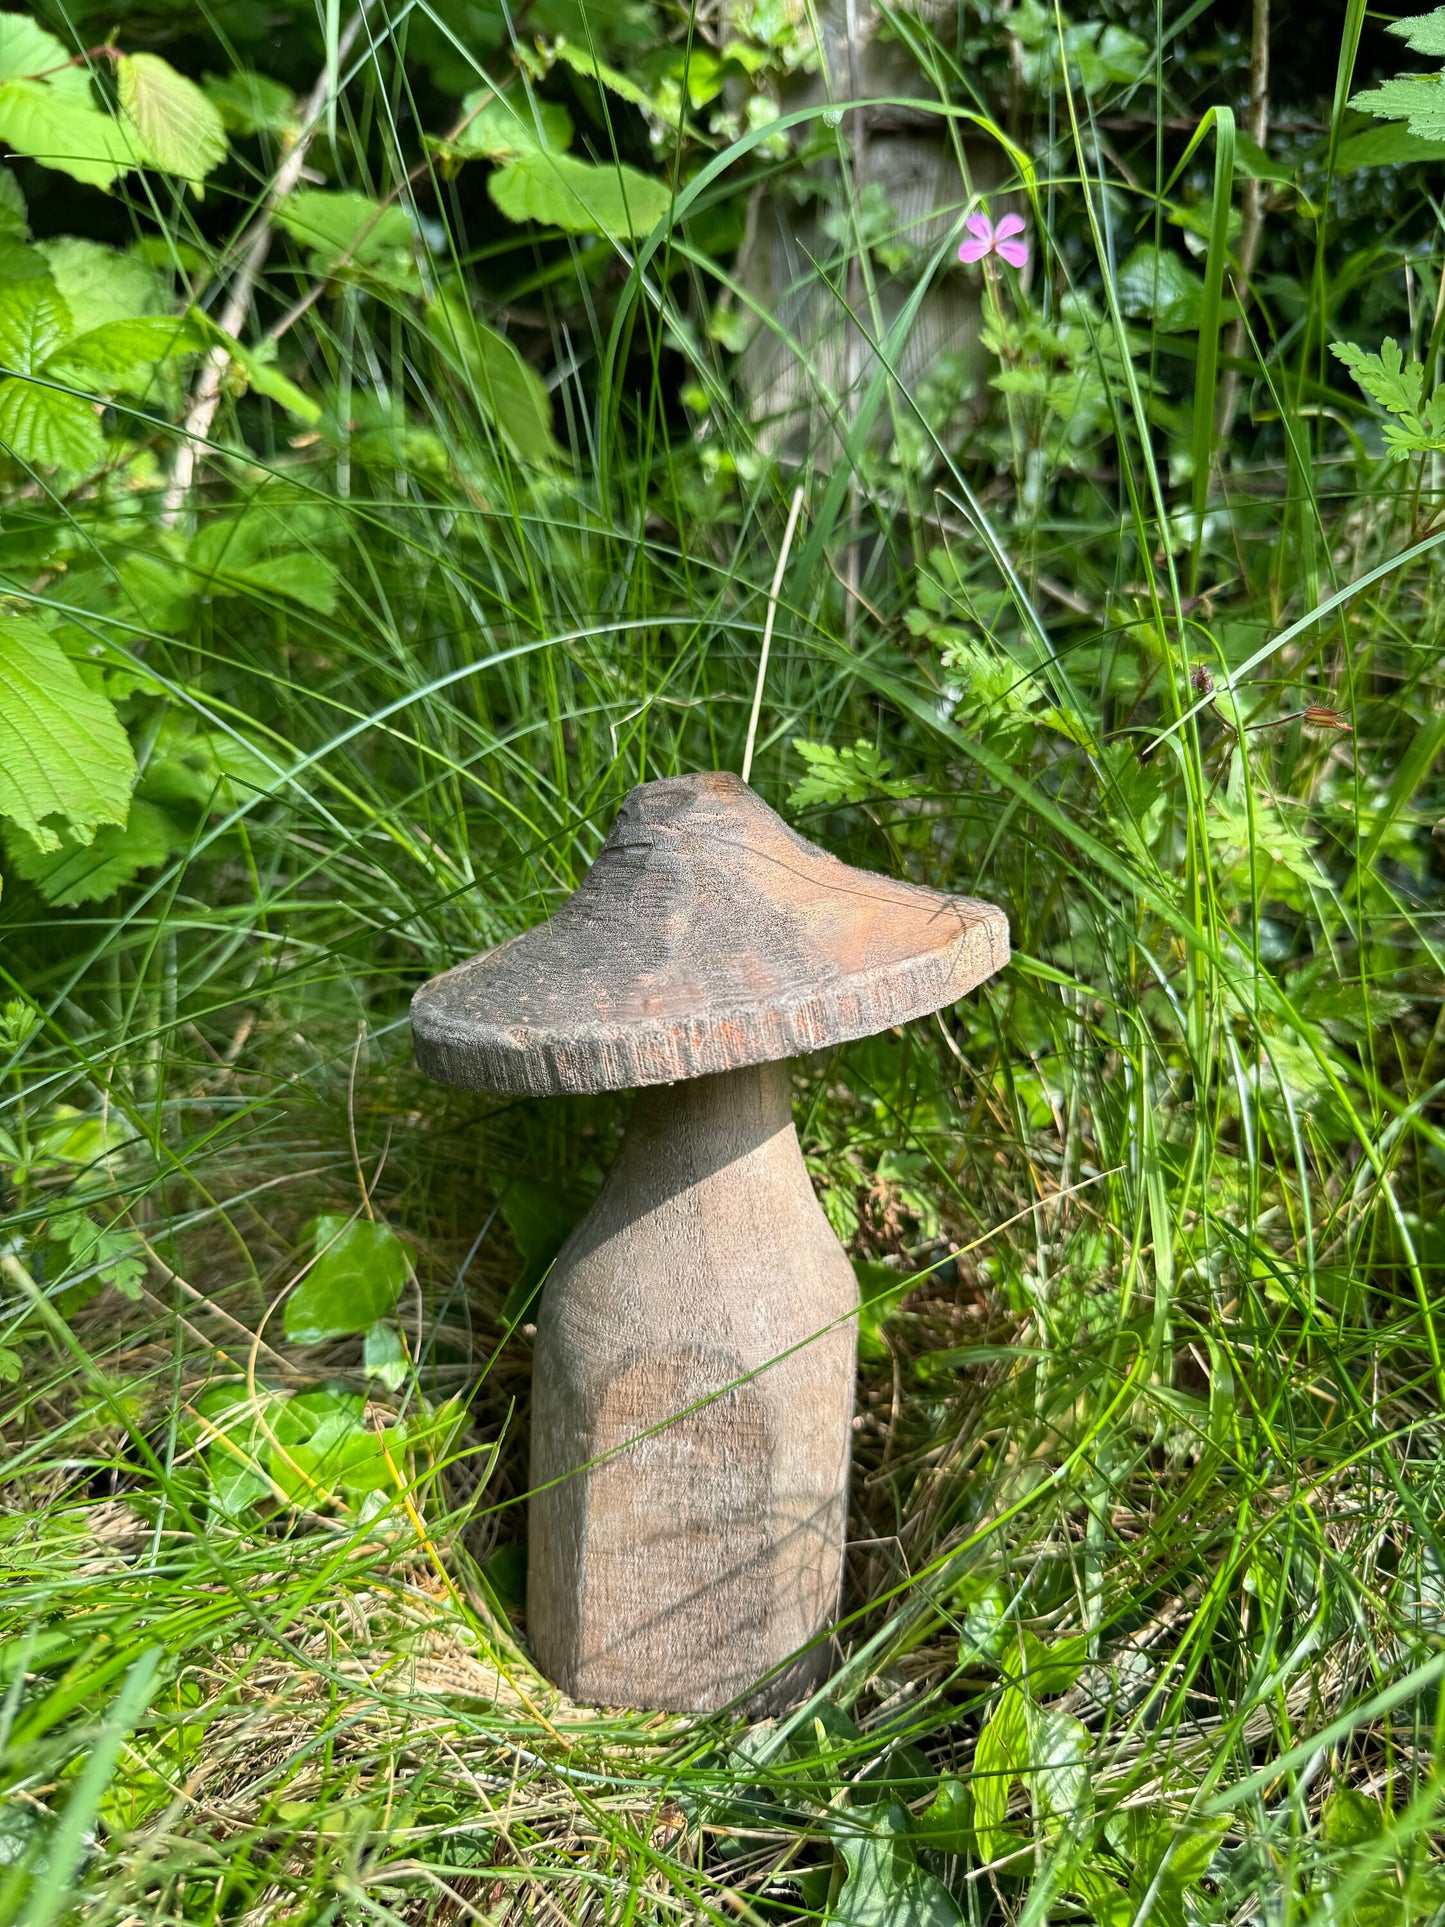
{"x": 988, "y": 239}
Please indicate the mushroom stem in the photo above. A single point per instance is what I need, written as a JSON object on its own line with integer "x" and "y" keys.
{"x": 692, "y": 1407}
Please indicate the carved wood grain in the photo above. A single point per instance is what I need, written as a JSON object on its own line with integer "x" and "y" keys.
{"x": 692, "y": 1400}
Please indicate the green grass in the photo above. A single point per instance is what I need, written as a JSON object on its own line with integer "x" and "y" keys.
{"x": 1146, "y": 1585}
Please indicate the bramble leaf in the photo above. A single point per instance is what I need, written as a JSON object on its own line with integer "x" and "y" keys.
{"x": 34, "y": 321}
{"x": 349, "y": 231}
{"x": 509, "y": 391}
{"x": 499, "y": 127}
{"x": 580, "y": 197}
{"x": 47, "y": 427}
{"x": 63, "y": 752}
{"x": 89, "y": 872}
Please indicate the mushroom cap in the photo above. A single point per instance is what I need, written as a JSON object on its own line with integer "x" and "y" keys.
{"x": 706, "y": 936}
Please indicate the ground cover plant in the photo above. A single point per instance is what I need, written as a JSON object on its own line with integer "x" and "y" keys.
{"x": 420, "y": 422}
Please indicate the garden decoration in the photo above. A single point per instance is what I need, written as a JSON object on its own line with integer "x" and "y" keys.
{"x": 694, "y": 1363}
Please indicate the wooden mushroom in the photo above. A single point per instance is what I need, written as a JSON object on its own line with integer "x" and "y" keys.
{"x": 694, "y": 1363}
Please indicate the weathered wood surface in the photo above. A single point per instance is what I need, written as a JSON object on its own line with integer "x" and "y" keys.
{"x": 706, "y": 936}
{"x": 702, "y": 1319}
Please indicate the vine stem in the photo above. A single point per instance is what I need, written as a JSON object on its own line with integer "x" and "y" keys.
{"x": 206, "y": 395}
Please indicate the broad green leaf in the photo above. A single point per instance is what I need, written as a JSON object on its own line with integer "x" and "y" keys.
{"x": 1108, "y": 1903}
{"x": 26, "y": 48}
{"x": 14, "y": 225}
{"x": 102, "y": 284}
{"x": 1061, "y": 1754}
{"x": 251, "y": 103}
{"x": 357, "y": 1277}
{"x": 580, "y": 197}
{"x": 1351, "y": 1819}
{"x": 227, "y": 1417}
{"x": 89, "y": 872}
{"x": 346, "y": 230}
{"x": 268, "y": 380}
{"x": 540, "y": 1218}
{"x": 880, "y": 1291}
{"x": 1002, "y": 1756}
{"x": 885, "y": 1886}
{"x": 301, "y": 577}
{"x": 162, "y": 594}
{"x": 47, "y": 427}
{"x": 1158, "y": 282}
{"x": 1388, "y": 146}
{"x": 63, "y": 753}
{"x": 34, "y": 321}
{"x": 383, "y": 1355}
{"x": 582, "y": 61}
{"x": 179, "y": 129}
{"x": 65, "y": 132}
{"x": 123, "y": 355}
{"x": 499, "y": 127}
{"x": 509, "y": 391}
{"x": 946, "y": 1823}
{"x": 350, "y": 1463}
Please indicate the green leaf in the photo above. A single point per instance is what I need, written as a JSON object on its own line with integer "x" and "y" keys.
{"x": 250, "y": 103}
{"x": 1424, "y": 34}
{"x": 880, "y": 1291}
{"x": 123, "y": 355}
{"x": 26, "y": 48}
{"x": 540, "y": 1218}
{"x": 499, "y": 127}
{"x": 47, "y": 427}
{"x": 102, "y": 284}
{"x": 584, "y": 62}
{"x": 1157, "y": 282}
{"x": 946, "y": 1823}
{"x": 1002, "y": 1756}
{"x": 1352, "y": 1819}
{"x": 1060, "y": 1756}
{"x": 13, "y": 223}
{"x": 837, "y": 776}
{"x": 348, "y": 230}
{"x": 359, "y": 1271}
{"x": 34, "y": 321}
{"x": 63, "y": 752}
{"x": 179, "y": 129}
{"x": 114, "y": 1257}
{"x": 580, "y": 197}
{"x": 1386, "y": 378}
{"x": 51, "y": 125}
{"x": 884, "y": 1885}
{"x": 383, "y": 1356}
{"x": 1389, "y": 146}
{"x": 1417, "y": 99}
{"x": 509, "y": 391}
{"x": 88, "y": 872}
{"x": 301, "y": 577}
{"x": 238, "y": 1444}
{"x": 256, "y": 364}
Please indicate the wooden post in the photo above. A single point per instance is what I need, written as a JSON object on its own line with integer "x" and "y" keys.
{"x": 693, "y": 1382}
